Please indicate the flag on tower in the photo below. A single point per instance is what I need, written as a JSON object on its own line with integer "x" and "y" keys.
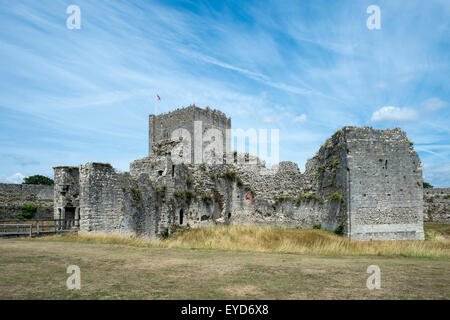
{"x": 157, "y": 96}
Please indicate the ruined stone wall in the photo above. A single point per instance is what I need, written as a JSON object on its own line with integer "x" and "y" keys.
{"x": 436, "y": 205}
{"x": 247, "y": 194}
{"x": 367, "y": 181}
{"x": 326, "y": 176}
{"x": 66, "y": 192}
{"x": 101, "y": 198}
{"x": 13, "y": 196}
{"x": 118, "y": 202}
{"x": 385, "y": 195}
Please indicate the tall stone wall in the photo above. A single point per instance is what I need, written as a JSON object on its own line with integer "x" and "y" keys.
{"x": 162, "y": 126}
{"x": 326, "y": 176}
{"x": 118, "y": 202}
{"x": 66, "y": 192}
{"x": 436, "y": 205}
{"x": 13, "y": 196}
{"x": 384, "y": 185}
{"x": 101, "y": 198}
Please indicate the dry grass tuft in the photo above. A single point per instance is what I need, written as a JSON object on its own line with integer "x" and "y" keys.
{"x": 267, "y": 239}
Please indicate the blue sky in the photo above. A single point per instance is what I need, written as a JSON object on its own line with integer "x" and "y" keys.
{"x": 305, "y": 67}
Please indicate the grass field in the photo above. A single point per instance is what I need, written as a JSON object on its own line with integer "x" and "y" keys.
{"x": 118, "y": 268}
{"x": 276, "y": 240}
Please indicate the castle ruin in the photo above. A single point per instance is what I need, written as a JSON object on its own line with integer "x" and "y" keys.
{"x": 367, "y": 182}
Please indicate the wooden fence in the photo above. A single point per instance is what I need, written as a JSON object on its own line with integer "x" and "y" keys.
{"x": 11, "y": 228}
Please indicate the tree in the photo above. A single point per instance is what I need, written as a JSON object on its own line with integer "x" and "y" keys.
{"x": 426, "y": 185}
{"x": 38, "y": 179}
{"x": 28, "y": 211}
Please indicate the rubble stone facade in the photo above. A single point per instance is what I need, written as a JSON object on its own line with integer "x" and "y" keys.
{"x": 436, "y": 205}
{"x": 367, "y": 182}
{"x": 13, "y": 196}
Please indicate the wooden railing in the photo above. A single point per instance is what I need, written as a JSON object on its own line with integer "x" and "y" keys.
{"x": 13, "y": 227}
{"x": 17, "y": 229}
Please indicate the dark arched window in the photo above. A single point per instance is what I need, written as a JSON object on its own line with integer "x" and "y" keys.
{"x": 181, "y": 217}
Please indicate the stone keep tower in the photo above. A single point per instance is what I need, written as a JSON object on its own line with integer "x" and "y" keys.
{"x": 191, "y": 118}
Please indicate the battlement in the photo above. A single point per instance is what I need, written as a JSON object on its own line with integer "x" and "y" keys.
{"x": 184, "y": 121}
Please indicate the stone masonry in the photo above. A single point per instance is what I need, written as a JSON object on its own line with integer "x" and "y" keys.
{"x": 13, "y": 196}
{"x": 436, "y": 205}
{"x": 367, "y": 182}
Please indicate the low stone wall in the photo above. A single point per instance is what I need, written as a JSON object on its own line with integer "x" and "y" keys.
{"x": 13, "y": 196}
{"x": 436, "y": 205}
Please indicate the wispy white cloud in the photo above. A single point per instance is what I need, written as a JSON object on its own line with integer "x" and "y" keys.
{"x": 15, "y": 178}
{"x": 92, "y": 89}
{"x": 392, "y": 114}
{"x": 274, "y": 118}
{"x": 19, "y": 159}
{"x": 434, "y": 104}
{"x": 300, "y": 118}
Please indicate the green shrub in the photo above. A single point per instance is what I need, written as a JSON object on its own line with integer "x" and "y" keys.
{"x": 308, "y": 196}
{"x": 335, "y": 163}
{"x": 189, "y": 196}
{"x": 136, "y": 192}
{"x": 161, "y": 191}
{"x": 164, "y": 233}
{"x": 337, "y": 196}
{"x": 186, "y": 195}
{"x": 426, "y": 185}
{"x": 228, "y": 174}
{"x": 340, "y": 229}
{"x": 317, "y": 226}
{"x": 281, "y": 198}
{"x": 206, "y": 198}
{"x": 177, "y": 193}
{"x": 28, "y": 210}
